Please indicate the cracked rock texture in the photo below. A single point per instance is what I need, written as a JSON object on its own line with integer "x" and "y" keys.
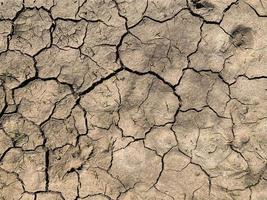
{"x": 133, "y": 100}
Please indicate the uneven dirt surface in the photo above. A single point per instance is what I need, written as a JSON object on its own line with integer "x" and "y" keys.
{"x": 133, "y": 99}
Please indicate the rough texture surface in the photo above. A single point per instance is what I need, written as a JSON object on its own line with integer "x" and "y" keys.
{"x": 133, "y": 100}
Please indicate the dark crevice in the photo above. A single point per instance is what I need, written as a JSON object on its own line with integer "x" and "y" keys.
{"x": 47, "y": 170}
{"x": 95, "y": 84}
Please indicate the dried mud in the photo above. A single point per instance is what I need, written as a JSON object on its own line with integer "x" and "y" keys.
{"x": 133, "y": 100}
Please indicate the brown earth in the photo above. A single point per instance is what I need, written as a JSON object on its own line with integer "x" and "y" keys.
{"x": 133, "y": 100}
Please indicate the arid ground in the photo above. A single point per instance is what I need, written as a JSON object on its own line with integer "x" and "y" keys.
{"x": 133, "y": 99}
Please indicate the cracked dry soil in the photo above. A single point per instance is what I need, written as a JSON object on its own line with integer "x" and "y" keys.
{"x": 133, "y": 100}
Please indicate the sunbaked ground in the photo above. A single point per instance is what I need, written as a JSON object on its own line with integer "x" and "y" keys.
{"x": 133, "y": 100}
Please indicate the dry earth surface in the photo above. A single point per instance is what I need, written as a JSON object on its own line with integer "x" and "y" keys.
{"x": 133, "y": 99}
